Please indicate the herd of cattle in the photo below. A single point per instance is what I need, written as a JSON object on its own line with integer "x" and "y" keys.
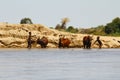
{"x": 63, "y": 42}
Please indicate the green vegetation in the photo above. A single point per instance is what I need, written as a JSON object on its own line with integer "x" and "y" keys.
{"x": 113, "y": 27}
{"x": 26, "y": 21}
{"x": 96, "y": 30}
{"x": 110, "y": 29}
{"x": 72, "y": 29}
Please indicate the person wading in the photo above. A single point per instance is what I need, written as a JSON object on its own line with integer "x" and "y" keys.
{"x": 29, "y": 40}
{"x": 99, "y": 42}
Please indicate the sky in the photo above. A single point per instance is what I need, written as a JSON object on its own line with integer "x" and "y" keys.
{"x": 82, "y": 13}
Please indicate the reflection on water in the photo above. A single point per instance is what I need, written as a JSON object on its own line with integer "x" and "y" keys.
{"x": 60, "y": 64}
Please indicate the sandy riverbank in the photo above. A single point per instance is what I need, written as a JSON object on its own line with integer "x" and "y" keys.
{"x": 15, "y": 36}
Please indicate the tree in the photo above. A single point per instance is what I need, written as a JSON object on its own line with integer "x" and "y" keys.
{"x": 58, "y": 27}
{"x": 64, "y": 21}
{"x": 116, "y": 21}
{"x": 113, "y": 27}
{"x": 26, "y": 21}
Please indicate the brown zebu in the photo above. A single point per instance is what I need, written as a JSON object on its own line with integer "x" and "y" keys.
{"x": 87, "y": 42}
{"x": 64, "y": 42}
{"x": 43, "y": 42}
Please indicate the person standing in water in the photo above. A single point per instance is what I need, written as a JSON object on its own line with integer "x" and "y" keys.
{"x": 29, "y": 40}
{"x": 99, "y": 42}
{"x": 59, "y": 44}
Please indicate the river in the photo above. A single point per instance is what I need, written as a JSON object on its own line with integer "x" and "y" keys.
{"x": 60, "y": 64}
